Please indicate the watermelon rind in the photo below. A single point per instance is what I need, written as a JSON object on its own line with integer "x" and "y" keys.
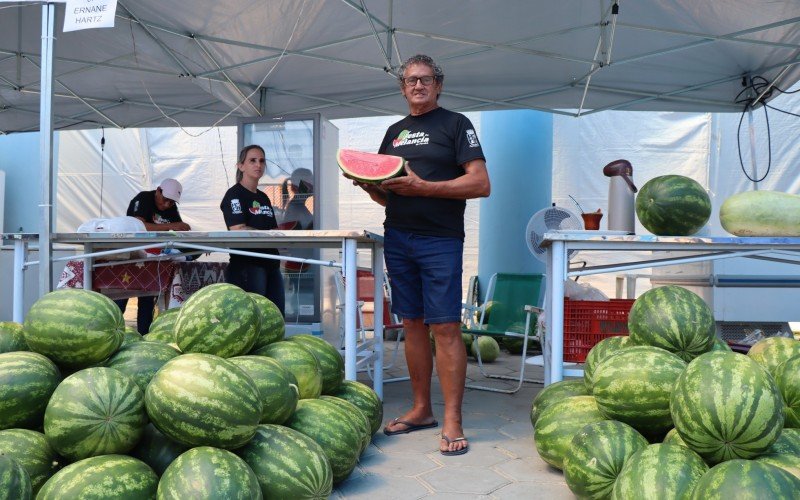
{"x": 32, "y": 451}
{"x": 556, "y": 392}
{"x": 673, "y": 205}
{"x": 276, "y": 385}
{"x": 746, "y": 479}
{"x": 788, "y": 442}
{"x": 300, "y": 361}
{"x": 365, "y": 399}
{"x": 787, "y": 378}
{"x": 207, "y": 472}
{"x": 108, "y": 476}
{"x": 598, "y": 353}
{"x": 27, "y": 380}
{"x": 356, "y": 416}
{"x": 11, "y": 337}
{"x": 272, "y": 325}
{"x": 673, "y": 437}
{"x": 288, "y": 464}
{"x": 659, "y": 471}
{"x": 163, "y": 326}
{"x": 559, "y": 423}
{"x": 96, "y": 411}
{"x": 369, "y": 167}
{"x": 787, "y": 462}
{"x": 331, "y": 362}
{"x": 14, "y": 480}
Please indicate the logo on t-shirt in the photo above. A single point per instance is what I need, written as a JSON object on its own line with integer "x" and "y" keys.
{"x": 136, "y": 206}
{"x": 472, "y": 139}
{"x": 236, "y": 207}
{"x": 158, "y": 219}
{"x": 408, "y": 138}
{"x": 259, "y": 209}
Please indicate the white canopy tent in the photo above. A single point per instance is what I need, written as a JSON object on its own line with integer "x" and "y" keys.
{"x": 166, "y": 65}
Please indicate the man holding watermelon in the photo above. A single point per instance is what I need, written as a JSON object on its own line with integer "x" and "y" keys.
{"x": 424, "y": 242}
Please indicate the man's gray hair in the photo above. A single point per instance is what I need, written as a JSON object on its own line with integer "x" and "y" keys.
{"x": 421, "y": 59}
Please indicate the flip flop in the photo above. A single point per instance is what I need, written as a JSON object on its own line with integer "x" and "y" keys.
{"x": 449, "y": 453}
{"x": 410, "y": 427}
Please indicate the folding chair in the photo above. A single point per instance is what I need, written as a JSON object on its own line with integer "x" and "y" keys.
{"x": 365, "y": 295}
{"x": 515, "y": 299}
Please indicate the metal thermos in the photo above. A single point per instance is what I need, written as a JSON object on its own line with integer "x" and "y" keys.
{"x": 621, "y": 196}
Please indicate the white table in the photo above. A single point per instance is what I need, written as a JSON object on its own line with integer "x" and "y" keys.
{"x": 560, "y": 243}
{"x": 102, "y": 244}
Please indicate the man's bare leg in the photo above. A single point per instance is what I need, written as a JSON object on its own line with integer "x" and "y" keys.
{"x": 451, "y": 366}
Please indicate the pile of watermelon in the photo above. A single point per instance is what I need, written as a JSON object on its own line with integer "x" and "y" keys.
{"x": 671, "y": 412}
{"x": 213, "y": 402}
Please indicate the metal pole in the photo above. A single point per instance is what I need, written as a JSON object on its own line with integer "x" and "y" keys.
{"x": 377, "y": 273}
{"x": 46, "y": 148}
{"x": 555, "y": 332}
{"x": 20, "y": 254}
{"x": 350, "y": 306}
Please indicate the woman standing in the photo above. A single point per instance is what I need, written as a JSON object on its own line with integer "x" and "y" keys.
{"x": 245, "y": 208}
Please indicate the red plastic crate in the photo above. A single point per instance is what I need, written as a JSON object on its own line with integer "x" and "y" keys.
{"x": 587, "y": 322}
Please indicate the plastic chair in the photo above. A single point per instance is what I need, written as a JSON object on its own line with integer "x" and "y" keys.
{"x": 365, "y": 295}
{"x": 516, "y": 300}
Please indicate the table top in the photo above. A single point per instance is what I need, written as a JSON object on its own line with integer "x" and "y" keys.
{"x": 588, "y": 240}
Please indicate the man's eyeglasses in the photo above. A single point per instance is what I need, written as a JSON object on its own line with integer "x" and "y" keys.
{"x": 410, "y": 81}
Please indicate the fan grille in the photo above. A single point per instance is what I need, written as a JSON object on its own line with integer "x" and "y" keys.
{"x": 550, "y": 219}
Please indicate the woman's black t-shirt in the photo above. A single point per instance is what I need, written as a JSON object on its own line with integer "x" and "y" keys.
{"x": 242, "y": 206}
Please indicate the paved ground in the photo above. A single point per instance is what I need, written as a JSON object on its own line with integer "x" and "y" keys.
{"x": 502, "y": 462}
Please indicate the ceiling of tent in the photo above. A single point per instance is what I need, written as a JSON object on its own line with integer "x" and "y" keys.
{"x": 206, "y": 62}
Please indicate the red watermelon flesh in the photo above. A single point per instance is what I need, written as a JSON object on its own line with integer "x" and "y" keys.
{"x": 369, "y": 167}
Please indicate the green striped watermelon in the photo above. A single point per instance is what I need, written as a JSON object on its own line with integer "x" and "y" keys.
{"x": 276, "y": 385}
{"x": 634, "y": 386}
{"x": 141, "y": 360}
{"x": 299, "y": 360}
{"x": 559, "y": 423}
{"x": 673, "y": 437}
{"x": 164, "y": 323}
{"x": 720, "y": 345}
{"x": 556, "y": 392}
{"x": 219, "y": 319}
{"x": 725, "y": 406}
{"x": 204, "y": 400}
{"x": 356, "y": 416}
{"x": 772, "y": 351}
{"x": 129, "y": 336}
{"x": 207, "y": 472}
{"x": 73, "y": 327}
{"x": 273, "y": 326}
{"x": 659, "y": 471}
{"x": 672, "y": 318}
{"x": 288, "y": 464}
{"x": 333, "y": 430}
{"x": 108, "y": 476}
{"x": 673, "y": 205}
{"x": 598, "y": 353}
{"x": 365, "y": 399}
{"x": 788, "y": 442}
{"x": 596, "y": 455}
{"x": 156, "y": 450}
{"x": 27, "y": 380}
{"x": 789, "y": 463}
{"x": 330, "y": 360}
{"x": 11, "y": 337}
{"x": 32, "y": 451}
{"x": 96, "y": 411}
{"x": 787, "y": 378}
{"x": 746, "y": 479}
{"x": 14, "y": 481}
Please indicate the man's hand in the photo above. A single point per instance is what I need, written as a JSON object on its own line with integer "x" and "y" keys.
{"x": 409, "y": 185}
{"x": 179, "y": 226}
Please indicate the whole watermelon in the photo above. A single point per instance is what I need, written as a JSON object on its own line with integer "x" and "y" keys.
{"x": 27, "y": 380}
{"x": 673, "y": 437}
{"x": 206, "y": 472}
{"x": 556, "y": 392}
{"x": 220, "y": 319}
{"x": 672, "y": 318}
{"x": 789, "y": 463}
{"x": 488, "y": 347}
{"x": 157, "y": 450}
{"x": 32, "y": 451}
{"x": 659, "y": 471}
{"x": 272, "y": 326}
{"x": 788, "y": 442}
{"x": 717, "y": 417}
{"x": 331, "y": 362}
{"x": 300, "y": 361}
{"x": 11, "y": 337}
{"x": 204, "y": 400}
{"x": 365, "y": 399}
{"x": 772, "y": 351}
{"x": 559, "y": 423}
{"x": 598, "y": 353}
{"x": 356, "y": 416}
{"x": 130, "y": 336}
{"x": 720, "y": 345}
{"x": 332, "y": 429}
{"x": 288, "y": 464}
{"x": 673, "y": 205}
{"x": 276, "y": 385}
{"x": 787, "y": 378}
{"x": 746, "y": 479}
{"x": 163, "y": 326}
{"x": 14, "y": 481}
{"x": 634, "y": 386}
{"x": 108, "y": 476}
{"x": 96, "y": 411}
{"x": 596, "y": 456}
{"x": 141, "y": 360}
{"x": 75, "y": 328}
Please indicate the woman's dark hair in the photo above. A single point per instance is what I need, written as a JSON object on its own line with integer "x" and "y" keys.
{"x": 243, "y": 156}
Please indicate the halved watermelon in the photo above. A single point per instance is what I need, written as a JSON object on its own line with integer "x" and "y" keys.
{"x": 369, "y": 167}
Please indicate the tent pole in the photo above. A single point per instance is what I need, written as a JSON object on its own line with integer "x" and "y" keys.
{"x": 46, "y": 148}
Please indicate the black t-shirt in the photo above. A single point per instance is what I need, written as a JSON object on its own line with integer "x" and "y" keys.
{"x": 143, "y": 205}
{"x": 241, "y": 206}
{"x": 436, "y": 145}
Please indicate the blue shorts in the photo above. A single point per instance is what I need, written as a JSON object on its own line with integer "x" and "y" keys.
{"x": 425, "y": 274}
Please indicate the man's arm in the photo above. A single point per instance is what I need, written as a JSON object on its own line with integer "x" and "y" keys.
{"x": 473, "y": 184}
{"x": 172, "y": 226}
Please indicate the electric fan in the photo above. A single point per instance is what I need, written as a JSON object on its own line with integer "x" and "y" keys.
{"x": 550, "y": 219}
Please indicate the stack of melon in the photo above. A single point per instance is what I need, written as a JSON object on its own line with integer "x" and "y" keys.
{"x": 213, "y": 402}
{"x": 672, "y": 412}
